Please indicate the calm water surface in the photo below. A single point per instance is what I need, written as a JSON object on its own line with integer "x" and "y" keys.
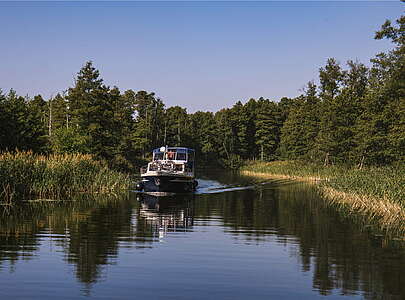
{"x": 233, "y": 239}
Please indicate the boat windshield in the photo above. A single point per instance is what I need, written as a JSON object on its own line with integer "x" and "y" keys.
{"x": 174, "y": 153}
{"x": 181, "y": 156}
{"x": 158, "y": 156}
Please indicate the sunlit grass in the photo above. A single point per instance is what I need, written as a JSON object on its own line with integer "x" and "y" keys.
{"x": 24, "y": 175}
{"x": 380, "y": 182}
{"x": 378, "y": 192}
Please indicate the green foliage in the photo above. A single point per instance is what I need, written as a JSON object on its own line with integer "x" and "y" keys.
{"x": 380, "y": 134}
{"x": 204, "y": 137}
{"x": 268, "y": 129}
{"x": 149, "y": 122}
{"x": 69, "y": 140}
{"x": 176, "y": 127}
{"x": 355, "y": 116}
{"x": 21, "y": 126}
{"x": 234, "y": 161}
{"x": 301, "y": 126}
{"x": 91, "y": 107}
{"x": 57, "y": 114}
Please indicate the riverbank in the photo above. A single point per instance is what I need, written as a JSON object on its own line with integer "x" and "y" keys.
{"x": 26, "y": 176}
{"x": 378, "y": 193}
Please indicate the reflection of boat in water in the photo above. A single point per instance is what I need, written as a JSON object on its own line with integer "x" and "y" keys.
{"x": 171, "y": 170}
{"x": 166, "y": 214}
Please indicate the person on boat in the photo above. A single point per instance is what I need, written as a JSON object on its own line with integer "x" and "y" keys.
{"x": 170, "y": 155}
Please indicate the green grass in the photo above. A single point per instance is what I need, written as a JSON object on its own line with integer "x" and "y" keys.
{"x": 378, "y": 182}
{"x": 24, "y": 175}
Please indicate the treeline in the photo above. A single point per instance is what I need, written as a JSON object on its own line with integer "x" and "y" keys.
{"x": 354, "y": 115}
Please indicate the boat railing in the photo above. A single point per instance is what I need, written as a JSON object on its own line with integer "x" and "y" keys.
{"x": 167, "y": 166}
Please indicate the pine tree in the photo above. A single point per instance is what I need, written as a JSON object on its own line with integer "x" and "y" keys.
{"x": 35, "y": 135}
{"x": 239, "y": 124}
{"x": 293, "y": 145}
{"x": 331, "y": 78}
{"x": 251, "y": 111}
{"x": 176, "y": 127}
{"x": 21, "y": 123}
{"x": 226, "y": 138}
{"x": 57, "y": 111}
{"x": 125, "y": 155}
{"x": 91, "y": 111}
{"x": 204, "y": 136}
{"x": 268, "y": 126}
{"x": 302, "y": 126}
{"x": 149, "y": 131}
{"x": 4, "y": 119}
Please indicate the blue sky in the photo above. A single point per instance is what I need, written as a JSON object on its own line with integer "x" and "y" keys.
{"x": 199, "y": 55}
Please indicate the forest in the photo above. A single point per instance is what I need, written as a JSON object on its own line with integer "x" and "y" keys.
{"x": 353, "y": 115}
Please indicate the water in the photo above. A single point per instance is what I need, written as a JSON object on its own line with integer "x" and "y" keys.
{"x": 233, "y": 239}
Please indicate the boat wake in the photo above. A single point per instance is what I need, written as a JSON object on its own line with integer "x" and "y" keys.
{"x": 206, "y": 186}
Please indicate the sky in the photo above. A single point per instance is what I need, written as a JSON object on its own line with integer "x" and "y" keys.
{"x": 202, "y": 55}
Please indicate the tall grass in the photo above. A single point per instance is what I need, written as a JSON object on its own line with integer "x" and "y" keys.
{"x": 24, "y": 175}
{"x": 378, "y": 192}
{"x": 380, "y": 182}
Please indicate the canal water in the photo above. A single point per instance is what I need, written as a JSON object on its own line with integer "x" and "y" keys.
{"x": 236, "y": 238}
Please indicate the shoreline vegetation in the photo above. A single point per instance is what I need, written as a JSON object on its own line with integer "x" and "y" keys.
{"x": 25, "y": 176}
{"x": 375, "y": 192}
{"x": 352, "y": 114}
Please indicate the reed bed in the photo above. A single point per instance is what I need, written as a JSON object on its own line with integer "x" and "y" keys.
{"x": 390, "y": 215}
{"x": 24, "y": 175}
{"x": 378, "y": 192}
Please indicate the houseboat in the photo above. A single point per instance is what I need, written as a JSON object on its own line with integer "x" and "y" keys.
{"x": 172, "y": 170}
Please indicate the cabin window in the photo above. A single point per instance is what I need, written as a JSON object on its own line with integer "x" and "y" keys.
{"x": 158, "y": 156}
{"x": 181, "y": 156}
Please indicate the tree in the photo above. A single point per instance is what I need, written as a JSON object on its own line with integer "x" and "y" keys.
{"x": 268, "y": 127}
{"x": 204, "y": 137}
{"x": 21, "y": 123}
{"x": 302, "y": 126}
{"x": 176, "y": 127}
{"x": 149, "y": 122}
{"x": 91, "y": 111}
{"x": 4, "y": 118}
{"x": 331, "y": 78}
{"x": 250, "y": 112}
{"x": 57, "y": 111}
{"x": 69, "y": 140}
{"x": 380, "y": 128}
{"x": 226, "y": 138}
{"x": 35, "y": 123}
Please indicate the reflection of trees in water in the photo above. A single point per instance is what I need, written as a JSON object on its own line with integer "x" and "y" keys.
{"x": 91, "y": 229}
{"x": 340, "y": 254}
{"x": 343, "y": 257}
{"x": 94, "y": 241}
{"x": 19, "y": 230}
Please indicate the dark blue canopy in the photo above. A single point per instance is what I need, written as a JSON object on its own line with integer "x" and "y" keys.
{"x": 176, "y": 149}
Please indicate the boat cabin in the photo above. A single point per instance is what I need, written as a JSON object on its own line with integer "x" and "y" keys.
{"x": 172, "y": 159}
{"x": 174, "y": 153}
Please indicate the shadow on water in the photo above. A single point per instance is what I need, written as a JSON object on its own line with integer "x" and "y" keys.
{"x": 340, "y": 254}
